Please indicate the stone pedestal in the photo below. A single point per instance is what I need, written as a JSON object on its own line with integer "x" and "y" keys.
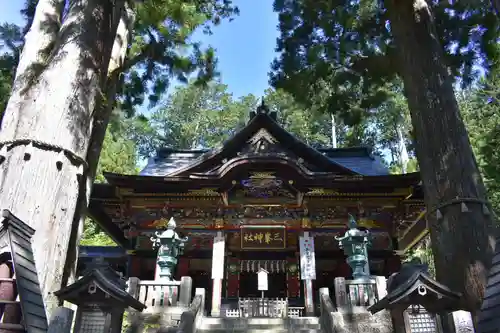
{"x": 362, "y": 321}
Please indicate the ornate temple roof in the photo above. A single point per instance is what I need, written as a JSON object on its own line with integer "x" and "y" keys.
{"x": 261, "y": 165}
{"x": 358, "y": 159}
{"x": 262, "y": 126}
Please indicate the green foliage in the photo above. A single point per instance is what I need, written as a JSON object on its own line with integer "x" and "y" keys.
{"x": 94, "y": 236}
{"x": 339, "y": 55}
{"x": 195, "y": 116}
{"x": 313, "y": 128}
{"x": 10, "y": 45}
{"x": 162, "y": 48}
{"x": 411, "y": 166}
{"x": 423, "y": 251}
{"x": 480, "y": 108}
{"x": 118, "y": 155}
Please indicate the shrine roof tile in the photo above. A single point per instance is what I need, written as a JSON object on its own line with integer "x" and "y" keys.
{"x": 169, "y": 161}
{"x": 357, "y": 159}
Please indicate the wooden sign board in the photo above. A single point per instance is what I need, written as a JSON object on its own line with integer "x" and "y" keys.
{"x": 262, "y": 279}
{"x": 254, "y": 237}
{"x": 218, "y": 257}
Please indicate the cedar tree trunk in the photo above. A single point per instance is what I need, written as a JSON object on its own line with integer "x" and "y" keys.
{"x": 47, "y": 131}
{"x": 462, "y": 228}
{"x": 102, "y": 114}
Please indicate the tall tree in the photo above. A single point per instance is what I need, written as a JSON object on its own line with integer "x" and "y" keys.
{"x": 69, "y": 72}
{"x": 11, "y": 45}
{"x": 480, "y": 107}
{"x": 194, "y": 117}
{"x": 351, "y": 46}
{"x": 118, "y": 155}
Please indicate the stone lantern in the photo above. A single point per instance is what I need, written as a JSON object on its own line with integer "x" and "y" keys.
{"x": 101, "y": 299}
{"x": 170, "y": 245}
{"x": 355, "y": 243}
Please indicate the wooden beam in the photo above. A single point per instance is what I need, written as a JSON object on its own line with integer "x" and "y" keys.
{"x": 97, "y": 213}
{"x": 414, "y": 233}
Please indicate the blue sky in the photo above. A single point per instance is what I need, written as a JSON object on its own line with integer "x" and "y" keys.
{"x": 245, "y": 46}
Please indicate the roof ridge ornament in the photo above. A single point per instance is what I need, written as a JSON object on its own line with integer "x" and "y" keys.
{"x": 263, "y": 108}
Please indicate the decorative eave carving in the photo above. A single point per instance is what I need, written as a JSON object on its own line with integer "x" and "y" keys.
{"x": 321, "y": 192}
{"x": 262, "y": 134}
{"x": 205, "y": 192}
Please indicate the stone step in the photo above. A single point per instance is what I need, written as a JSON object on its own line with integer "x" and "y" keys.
{"x": 260, "y": 330}
{"x": 259, "y": 327}
{"x": 262, "y": 321}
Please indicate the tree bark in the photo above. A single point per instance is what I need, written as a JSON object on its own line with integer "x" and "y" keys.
{"x": 38, "y": 183}
{"x": 461, "y": 229}
{"x": 39, "y": 40}
{"x": 102, "y": 114}
{"x": 40, "y": 37}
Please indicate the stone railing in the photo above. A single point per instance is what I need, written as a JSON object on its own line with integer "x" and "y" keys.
{"x": 192, "y": 318}
{"x": 327, "y": 310}
{"x": 165, "y": 301}
{"x": 160, "y": 294}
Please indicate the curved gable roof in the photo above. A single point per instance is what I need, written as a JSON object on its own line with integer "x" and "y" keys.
{"x": 350, "y": 161}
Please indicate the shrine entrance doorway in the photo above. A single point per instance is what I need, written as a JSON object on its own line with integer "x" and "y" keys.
{"x": 276, "y": 285}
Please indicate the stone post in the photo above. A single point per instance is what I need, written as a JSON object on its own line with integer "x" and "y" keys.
{"x": 61, "y": 321}
{"x": 217, "y": 272}
{"x": 340, "y": 292}
{"x": 461, "y": 322}
{"x": 186, "y": 288}
{"x": 133, "y": 286}
{"x": 381, "y": 285}
{"x": 323, "y": 291}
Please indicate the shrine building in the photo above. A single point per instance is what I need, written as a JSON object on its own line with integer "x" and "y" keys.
{"x": 248, "y": 204}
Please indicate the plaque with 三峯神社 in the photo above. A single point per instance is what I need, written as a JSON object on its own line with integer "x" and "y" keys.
{"x": 263, "y": 237}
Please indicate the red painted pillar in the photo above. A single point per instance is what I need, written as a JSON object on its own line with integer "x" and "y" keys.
{"x": 233, "y": 277}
